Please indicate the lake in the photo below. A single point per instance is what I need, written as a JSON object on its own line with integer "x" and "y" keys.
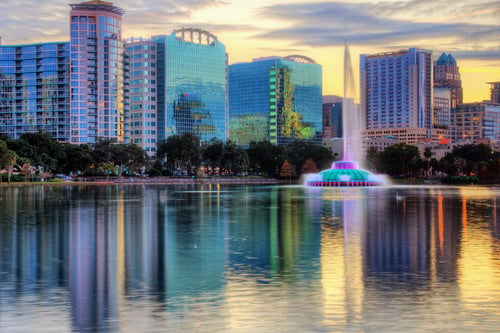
{"x": 246, "y": 258}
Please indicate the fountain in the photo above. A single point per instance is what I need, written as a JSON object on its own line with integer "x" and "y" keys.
{"x": 347, "y": 172}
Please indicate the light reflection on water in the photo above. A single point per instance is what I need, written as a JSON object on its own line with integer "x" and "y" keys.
{"x": 249, "y": 259}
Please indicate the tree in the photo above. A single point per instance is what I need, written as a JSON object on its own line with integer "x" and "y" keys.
{"x": 76, "y": 158}
{"x": 309, "y": 167}
{"x": 373, "y": 159}
{"x": 400, "y": 160}
{"x": 472, "y": 156}
{"x": 265, "y": 158}
{"x": 448, "y": 165}
{"x": 286, "y": 171}
{"x": 182, "y": 152}
{"x": 300, "y": 151}
{"x": 428, "y": 155}
{"x": 42, "y": 150}
{"x": 234, "y": 158}
{"x": 11, "y": 158}
{"x": 212, "y": 153}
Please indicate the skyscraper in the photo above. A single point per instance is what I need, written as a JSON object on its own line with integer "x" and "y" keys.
{"x": 141, "y": 92}
{"x": 396, "y": 93}
{"x": 396, "y": 89}
{"x": 447, "y": 75}
{"x": 97, "y": 103}
{"x": 192, "y": 85}
{"x": 34, "y": 89}
{"x": 275, "y": 99}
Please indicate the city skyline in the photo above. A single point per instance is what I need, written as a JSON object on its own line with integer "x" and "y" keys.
{"x": 315, "y": 29}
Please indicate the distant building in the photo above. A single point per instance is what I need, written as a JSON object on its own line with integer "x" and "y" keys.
{"x": 447, "y": 75}
{"x": 476, "y": 123}
{"x": 495, "y": 92}
{"x": 396, "y": 93}
{"x": 442, "y": 107}
{"x": 191, "y": 85}
{"x": 380, "y": 142}
{"x": 406, "y": 135}
{"x": 141, "y": 87}
{"x": 34, "y": 90}
{"x": 332, "y": 117}
{"x": 275, "y": 99}
{"x": 97, "y": 102}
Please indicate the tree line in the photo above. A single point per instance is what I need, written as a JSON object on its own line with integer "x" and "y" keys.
{"x": 39, "y": 156}
{"x": 470, "y": 163}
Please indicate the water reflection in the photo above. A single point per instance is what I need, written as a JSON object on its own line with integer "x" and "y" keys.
{"x": 246, "y": 258}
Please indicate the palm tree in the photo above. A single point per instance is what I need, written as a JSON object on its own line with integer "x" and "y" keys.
{"x": 428, "y": 155}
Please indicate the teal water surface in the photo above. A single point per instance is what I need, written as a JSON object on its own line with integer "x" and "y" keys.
{"x": 237, "y": 258}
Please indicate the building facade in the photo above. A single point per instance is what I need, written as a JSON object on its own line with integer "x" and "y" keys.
{"x": 192, "y": 85}
{"x": 332, "y": 117}
{"x": 396, "y": 89}
{"x": 141, "y": 86}
{"x": 495, "y": 92}
{"x": 447, "y": 76}
{"x": 476, "y": 123}
{"x": 34, "y": 90}
{"x": 97, "y": 101}
{"x": 275, "y": 99}
{"x": 442, "y": 107}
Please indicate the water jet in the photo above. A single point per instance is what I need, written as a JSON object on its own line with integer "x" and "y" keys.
{"x": 347, "y": 173}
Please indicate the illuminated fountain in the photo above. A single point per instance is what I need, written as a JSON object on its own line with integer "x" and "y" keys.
{"x": 347, "y": 172}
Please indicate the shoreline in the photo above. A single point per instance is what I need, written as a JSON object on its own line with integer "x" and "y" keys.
{"x": 152, "y": 181}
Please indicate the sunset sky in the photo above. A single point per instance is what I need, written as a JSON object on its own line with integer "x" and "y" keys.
{"x": 468, "y": 29}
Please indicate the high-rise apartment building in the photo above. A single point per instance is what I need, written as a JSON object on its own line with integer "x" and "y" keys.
{"x": 97, "y": 102}
{"x": 34, "y": 90}
{"x": 275, "y": 99}
{"x": 396, "y": 91}
{"x": 141, "y": 93}
{"x": 447, "y": 75}
{"x": 191, "y": 72}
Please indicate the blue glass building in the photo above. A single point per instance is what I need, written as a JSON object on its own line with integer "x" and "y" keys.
{"x": 275, "y": 99}
{"x": 97, "y": 101}
{"x": 34, "y": 90}
{"x": 192, "y": 85}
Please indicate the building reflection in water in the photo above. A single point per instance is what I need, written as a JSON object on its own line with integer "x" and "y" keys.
{"x": 375, "y": 245}
{"x": 138, "y": 256}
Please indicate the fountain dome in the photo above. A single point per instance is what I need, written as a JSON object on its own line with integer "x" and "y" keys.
{"x": 344, "y": 173}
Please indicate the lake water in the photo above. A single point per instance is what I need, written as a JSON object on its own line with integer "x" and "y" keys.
{"x": 208, "y": 258}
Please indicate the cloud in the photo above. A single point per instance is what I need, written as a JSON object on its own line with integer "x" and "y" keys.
{"x": 427, "y": 24}
{"x": 469, "y": 28}
{"x": 49, "y": 22}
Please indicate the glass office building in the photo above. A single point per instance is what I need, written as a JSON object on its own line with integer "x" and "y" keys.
{"x": 34, "y": 90}
{"x": 275, "y": 99}
{"x": 192, "y": 85}
{"x": 97, "y": 101}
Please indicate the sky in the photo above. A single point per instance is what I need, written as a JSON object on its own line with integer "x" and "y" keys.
{"x": 468, "y": 29}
